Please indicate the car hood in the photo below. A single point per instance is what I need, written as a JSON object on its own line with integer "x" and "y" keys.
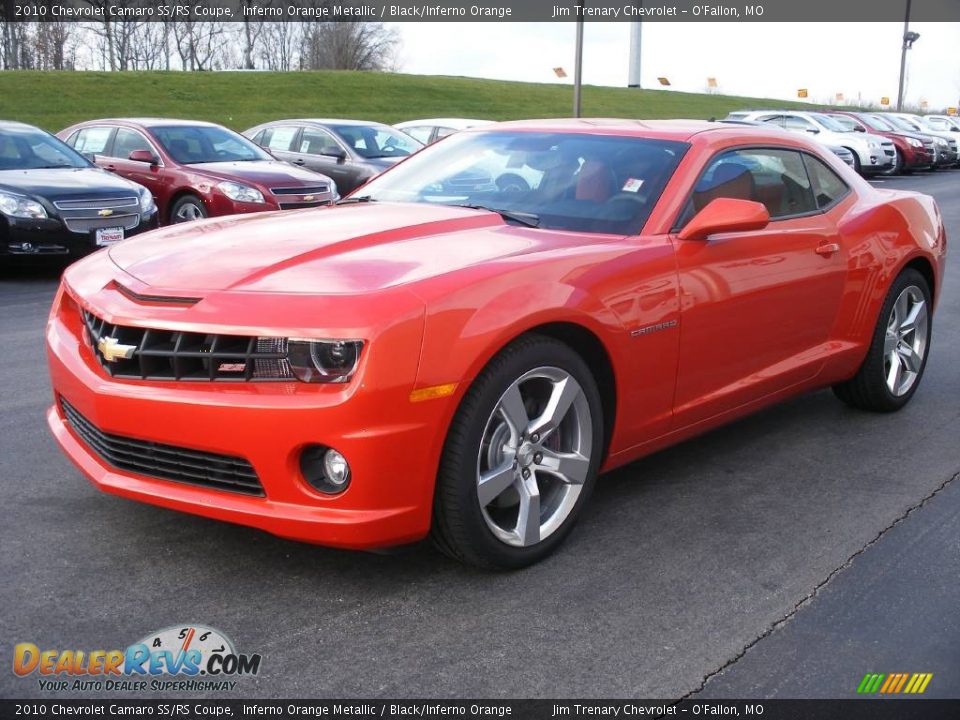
{"x": 335, "y": 250}
{"x": 268, "y": 173}
{"x": 62, "y": 183}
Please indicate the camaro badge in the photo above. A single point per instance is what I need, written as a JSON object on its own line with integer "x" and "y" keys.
{"x": 106, "y": 212}
{"x": 112, "y": 350}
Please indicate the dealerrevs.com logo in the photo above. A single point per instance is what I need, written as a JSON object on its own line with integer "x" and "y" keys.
{"x": 187, "y": 657}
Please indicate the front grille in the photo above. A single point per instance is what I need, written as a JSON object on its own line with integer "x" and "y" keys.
{"x": 97, "y": 204}
{"x": 87, "y": 225}
{"x": 315, "y": 190}
{"x": 166, "y": 462}
{"x": 173, "y": 355}
{"x": 85, "y": 216}
{"x": 302, "y": 205}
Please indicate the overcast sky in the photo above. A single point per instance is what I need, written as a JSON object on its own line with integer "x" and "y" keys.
{"x": 758, "y": 59}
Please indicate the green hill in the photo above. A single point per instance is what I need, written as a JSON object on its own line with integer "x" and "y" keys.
{"x": 54, "y": 100}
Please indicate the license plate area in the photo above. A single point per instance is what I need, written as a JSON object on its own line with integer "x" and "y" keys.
{"x": 109, "y": 236}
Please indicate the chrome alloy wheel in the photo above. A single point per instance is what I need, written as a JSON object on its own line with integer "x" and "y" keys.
{"x": 189, "y": 212}
{"x": 905, "y": 341}
{"x": 534, "y": 456}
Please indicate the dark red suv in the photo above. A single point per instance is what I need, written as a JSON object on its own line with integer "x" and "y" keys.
{"x": 197, "y": 169}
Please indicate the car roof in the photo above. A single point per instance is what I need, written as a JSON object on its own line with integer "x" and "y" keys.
{"x": 152, "y": 122}
{"x": 15, "y": 125}
{"x": 455, "y": 123}
{"x": 679, "y": 130}
{"x": 325, "y": 121}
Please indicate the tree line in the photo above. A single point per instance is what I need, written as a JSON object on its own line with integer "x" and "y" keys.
{"x": 121, "y": 44}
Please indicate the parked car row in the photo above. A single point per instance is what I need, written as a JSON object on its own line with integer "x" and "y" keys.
{"x": 112, "y": 178}
{"x": 879, "y": 143}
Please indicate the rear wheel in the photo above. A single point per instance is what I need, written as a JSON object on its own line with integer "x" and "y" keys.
{"x": 898, "y": 352}
{"x": 187, "y": 209}
{"x": 521, "y": 457}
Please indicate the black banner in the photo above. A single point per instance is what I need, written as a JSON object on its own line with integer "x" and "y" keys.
{"x": 479, "y": 10}
{"x": 865, "y": 709}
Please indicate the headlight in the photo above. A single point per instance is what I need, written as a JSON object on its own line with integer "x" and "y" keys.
{"x": 147, "y": 205}
{"x": 21, "y": 207}
{"x": 914, "y": 142}
{"x": 240, "y": 193}
{"x": 941, "y": 142}
{"x": 873, "y": 145}
{"x": 323, "y": 361}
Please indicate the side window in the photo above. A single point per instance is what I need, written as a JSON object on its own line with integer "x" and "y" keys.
{"x": 280, "y": 138}
{"x": 260, "y": 138}
{"x": 317, "y": 142}
{"x": 421, "y": 133}
{"x": 792, "y": 122}
{"x": 126, "y": 141}
{"x": 93, "y": 140}
{"x": 827, "y": 185}
{"x": 776, "y": 178}
{"x": 443, "y": 132}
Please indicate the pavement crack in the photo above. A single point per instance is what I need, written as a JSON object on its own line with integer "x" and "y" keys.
{"x": 809, "y": 597}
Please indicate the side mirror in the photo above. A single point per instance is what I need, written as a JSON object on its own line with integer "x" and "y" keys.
{"x": 726, "y": 215}
{"x": 144, "y": 156}
{"x": 333, "y": 152}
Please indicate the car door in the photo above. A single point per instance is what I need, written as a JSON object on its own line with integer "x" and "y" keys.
{"x": 757, "y": 307}
{"x": 94, "y": 142}
{"x": 125, "y": 142}
{"x": 321, "y": 152}
{"x": 280, "y": 141}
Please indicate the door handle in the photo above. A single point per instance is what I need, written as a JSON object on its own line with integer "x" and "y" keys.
{"x": 111, "y": 168}
{"x": 828, "y": 249}
{"x": 299, "y": 162}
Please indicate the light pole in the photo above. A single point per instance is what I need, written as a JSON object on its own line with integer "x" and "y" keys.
{"x": 578, "y": 61}
{"x": 909, "y": 38}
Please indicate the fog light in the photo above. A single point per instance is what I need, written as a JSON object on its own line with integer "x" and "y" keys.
{"x": 326, "y": 469}
{"x": 335, "y": 467}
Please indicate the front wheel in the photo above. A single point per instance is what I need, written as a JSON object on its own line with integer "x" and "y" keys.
{"x": 898, "y": 352}
{"x": 897, "y": 167}
{"x": 521, "y": 456}
{"x": 187, "y": 209}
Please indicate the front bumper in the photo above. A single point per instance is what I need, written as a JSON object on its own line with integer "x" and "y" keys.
{"x": 392, "y": 444}
{"x": 32, "y": 238}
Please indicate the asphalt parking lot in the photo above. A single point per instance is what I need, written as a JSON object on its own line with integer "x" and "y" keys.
{"x": 784, "y": 555}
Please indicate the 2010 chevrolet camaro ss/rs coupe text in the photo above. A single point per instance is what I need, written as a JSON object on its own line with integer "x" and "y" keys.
{"x": 440, "y": 356}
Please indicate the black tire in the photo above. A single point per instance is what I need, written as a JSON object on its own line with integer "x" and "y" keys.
{"x": 856, "y": 161}
{"x": 511, "y": 182}
{"x": 868, "y": 390}
{"x": 183, "y": 204}
{"x": 459, "y": 528}
{"x": 897, "y": 167}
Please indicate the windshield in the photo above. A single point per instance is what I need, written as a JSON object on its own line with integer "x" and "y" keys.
{"x": 31, "y": 149}
{"x": 876, "y": 123}
{"x": 563, "y": 181}
{"x": 192, "y": 145}
{"x": 830, "y": 123}
{"x": 377, "y": 141}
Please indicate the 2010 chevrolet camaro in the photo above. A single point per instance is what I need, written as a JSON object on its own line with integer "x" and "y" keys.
{"x": 440, "y": 355}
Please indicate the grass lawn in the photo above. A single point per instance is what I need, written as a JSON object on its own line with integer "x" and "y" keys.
{"x": 54, "y": 100}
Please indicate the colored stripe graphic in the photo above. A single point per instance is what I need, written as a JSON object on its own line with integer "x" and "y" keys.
{"x": 894, "y": 683}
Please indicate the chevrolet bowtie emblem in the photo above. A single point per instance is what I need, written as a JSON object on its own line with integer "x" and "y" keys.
{"x": 106, "y": 212}
{"x": 112, "y": 350}
{"x": 308, "y": 198}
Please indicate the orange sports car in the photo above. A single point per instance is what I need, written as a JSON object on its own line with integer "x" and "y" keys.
{"x": 442, "y": 355}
